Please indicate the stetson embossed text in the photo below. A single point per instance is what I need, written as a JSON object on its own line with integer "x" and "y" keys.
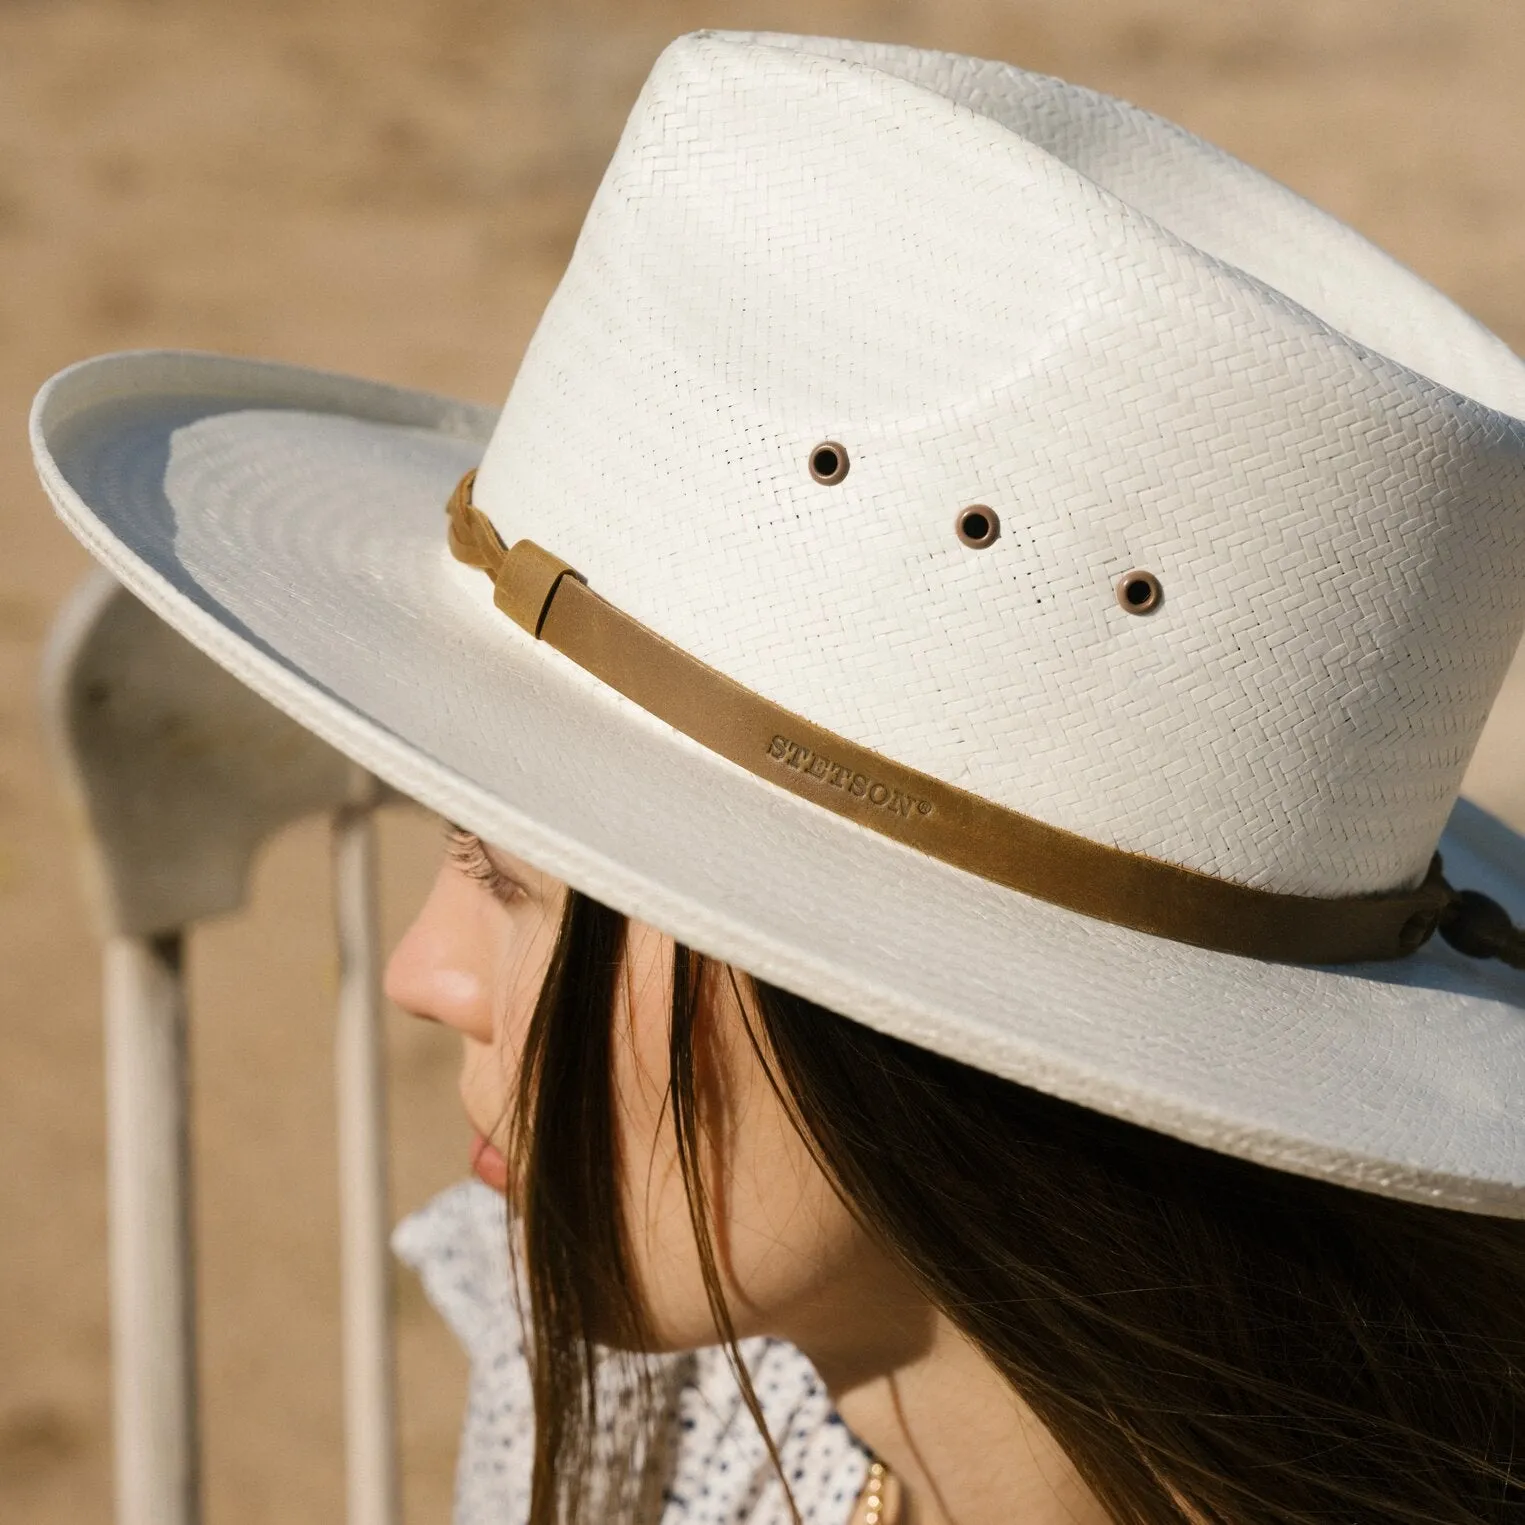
{"x": 839, "y": 776}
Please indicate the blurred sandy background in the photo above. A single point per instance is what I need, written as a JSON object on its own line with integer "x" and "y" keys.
{"x": 393, "y": 189}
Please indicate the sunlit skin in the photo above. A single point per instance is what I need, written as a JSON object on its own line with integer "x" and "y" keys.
{"x": 794, "y": 1262}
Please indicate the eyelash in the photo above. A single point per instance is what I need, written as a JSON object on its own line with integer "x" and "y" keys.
{"x": 467, "y": 852}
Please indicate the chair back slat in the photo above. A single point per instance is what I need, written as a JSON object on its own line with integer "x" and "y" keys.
{"x": 177, "y": 774}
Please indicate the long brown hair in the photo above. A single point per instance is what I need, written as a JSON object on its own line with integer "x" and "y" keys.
{"x": 1210, "y": 1341}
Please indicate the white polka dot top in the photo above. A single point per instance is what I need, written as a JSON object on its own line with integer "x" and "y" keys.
{"x": 716, "y": 1469}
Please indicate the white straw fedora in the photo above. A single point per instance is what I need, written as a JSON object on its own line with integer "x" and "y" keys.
{"x": 957, "y": 546}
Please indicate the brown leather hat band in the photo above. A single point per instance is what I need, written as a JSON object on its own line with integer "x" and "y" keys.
{"x": 551, "y": 600}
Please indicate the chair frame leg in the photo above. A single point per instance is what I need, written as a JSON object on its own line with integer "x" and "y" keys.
{"x": 364, "y": 1214}
{"x": 153, "y": 1321}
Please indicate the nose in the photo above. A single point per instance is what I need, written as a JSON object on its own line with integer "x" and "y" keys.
{"x": 437, "y": 971}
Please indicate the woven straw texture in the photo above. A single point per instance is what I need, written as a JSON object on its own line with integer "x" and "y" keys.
{"x": 996, "y": 288}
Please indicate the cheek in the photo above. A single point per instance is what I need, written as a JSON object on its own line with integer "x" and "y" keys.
{"x": 490, "y": 1066}
{"x": 781, "y": 1235}
{"x": 485, "y": 1089}
{"x": 516, "y": 989}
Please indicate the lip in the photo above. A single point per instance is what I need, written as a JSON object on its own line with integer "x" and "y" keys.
{"x": 488, "y": 1164}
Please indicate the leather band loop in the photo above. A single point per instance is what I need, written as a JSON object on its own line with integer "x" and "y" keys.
{"x": 550, "y": 600}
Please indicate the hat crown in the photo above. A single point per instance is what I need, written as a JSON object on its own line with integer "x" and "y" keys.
{"x": 992, "y": 288}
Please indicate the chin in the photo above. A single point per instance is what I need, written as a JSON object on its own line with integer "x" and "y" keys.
{"x": 490, "y": 1168}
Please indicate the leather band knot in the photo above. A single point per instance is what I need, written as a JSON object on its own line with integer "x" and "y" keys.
{"x": 473, "y": 539}
{"x": 1480, "y": 927}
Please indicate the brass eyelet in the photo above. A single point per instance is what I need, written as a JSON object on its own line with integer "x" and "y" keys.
{"x": 828, "y": 462}
{"x": 1139, "y": 592}
{"x": 977, "y": 525}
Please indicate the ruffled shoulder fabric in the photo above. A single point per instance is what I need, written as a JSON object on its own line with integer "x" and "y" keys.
{"x": 715, "y": 1468}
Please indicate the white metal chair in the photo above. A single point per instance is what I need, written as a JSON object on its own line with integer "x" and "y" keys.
{"x": 178, "y": 773}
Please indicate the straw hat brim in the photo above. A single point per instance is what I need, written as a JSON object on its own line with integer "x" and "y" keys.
{"x": 290, "y": 523}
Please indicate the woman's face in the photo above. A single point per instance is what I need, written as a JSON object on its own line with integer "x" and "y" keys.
{"x": 789, "y": 1252}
